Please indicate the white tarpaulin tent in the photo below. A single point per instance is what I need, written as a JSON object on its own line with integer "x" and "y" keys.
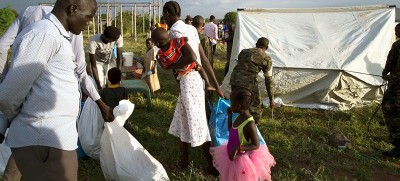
{"x": 329, "y": 58}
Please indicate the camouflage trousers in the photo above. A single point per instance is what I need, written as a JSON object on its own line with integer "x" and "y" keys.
{"x": 391, "y": 113}
{"x": 256, "y": 107}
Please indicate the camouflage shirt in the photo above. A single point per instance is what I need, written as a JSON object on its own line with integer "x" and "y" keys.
{"x": 392, "y": 63}
{"x": 393, "y": 67}
{"x": 206, "y": 44}
{"x": 229, "y": 41}
{"x": 250, "y": 63}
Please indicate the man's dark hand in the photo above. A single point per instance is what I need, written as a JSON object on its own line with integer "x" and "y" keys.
{"x": 386, "y": 77}
{"x": 233, "y": 153}
{"x": 220, "y": 93}
{"x": 106, "y": 111}
{"x": 107, "y": 114}
{"x": 229, "y": 111}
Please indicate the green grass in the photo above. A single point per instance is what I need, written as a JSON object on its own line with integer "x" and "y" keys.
{"x": 296, "y": 137}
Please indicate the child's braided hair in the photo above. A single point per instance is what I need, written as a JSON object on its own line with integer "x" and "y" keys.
{"x": 244, "y": 95}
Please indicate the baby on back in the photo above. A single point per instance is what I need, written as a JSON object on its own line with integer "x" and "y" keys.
{"x": 178, "y": 55}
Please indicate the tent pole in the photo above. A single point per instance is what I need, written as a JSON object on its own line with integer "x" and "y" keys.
{"x": 131, "y": 21}
{"x": 94, "y": 26}
{"x": 122, "y": 24}
{"x": 107, "y": 13}
{"x": 143, "y": 20}
{"x": 101, "y": 22}
{"x": 135, "y": 23}
{"x": 159, "y": 11}
{"x": 115, "y": 13}
{"x": 150, "y": 15}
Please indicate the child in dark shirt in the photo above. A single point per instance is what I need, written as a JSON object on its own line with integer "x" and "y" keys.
{"x": 114, "y": 93}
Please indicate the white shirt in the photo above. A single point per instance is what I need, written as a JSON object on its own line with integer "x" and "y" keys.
{"x": 35, "y": 13}
{"x": 101, "y": 50}
{"x": 211, "y": 30}
{"x": 180, "y": 29}
{"x": 40, "y": 91}
{"x": 27, "y": 16}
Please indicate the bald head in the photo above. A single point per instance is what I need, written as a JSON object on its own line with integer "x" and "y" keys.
{"x": 63, "y": 4}
{"x": 159, "y": 37}
{"x": 198, "y": 22}
{"x": 74, "y": 15}
{"x": 262, "y": 43}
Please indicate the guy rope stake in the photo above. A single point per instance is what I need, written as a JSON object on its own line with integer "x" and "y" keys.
{"x": 272, "y": 114}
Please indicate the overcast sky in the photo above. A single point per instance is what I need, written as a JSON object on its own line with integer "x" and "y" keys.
{"x": 218, "y": 8}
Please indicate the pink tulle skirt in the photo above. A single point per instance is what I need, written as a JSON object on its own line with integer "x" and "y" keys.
{"x": 250, "y": 166}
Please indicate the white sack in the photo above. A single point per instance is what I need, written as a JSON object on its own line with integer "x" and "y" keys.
{"x": 122, "y": 157}
{"x": 90, "y": 129}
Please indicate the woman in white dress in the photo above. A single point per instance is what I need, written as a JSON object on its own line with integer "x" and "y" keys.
{"x": 189, "y": 123}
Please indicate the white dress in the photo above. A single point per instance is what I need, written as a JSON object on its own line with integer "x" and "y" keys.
{"x": 190, "y": 122}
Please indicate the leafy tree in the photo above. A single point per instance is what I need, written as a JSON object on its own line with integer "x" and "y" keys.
{"x": 7, "y": 16}
{"x": 230, "y": 17}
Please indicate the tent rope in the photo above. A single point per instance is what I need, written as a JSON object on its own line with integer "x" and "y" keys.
{"x": 287, "y": 68}
{"x": 373, "y": 115}
{"x": 362, "y": 73}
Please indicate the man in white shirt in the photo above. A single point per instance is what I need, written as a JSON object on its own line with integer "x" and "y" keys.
{"x": 35, "y": 13}
{"x": 40, "y": 93}
{"x": 211, "y": 30}
{"x": 27, "y": 16}
{"x": 101, "y": 56}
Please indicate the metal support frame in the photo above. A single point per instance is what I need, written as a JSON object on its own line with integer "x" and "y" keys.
{"x": 98, "y": 20}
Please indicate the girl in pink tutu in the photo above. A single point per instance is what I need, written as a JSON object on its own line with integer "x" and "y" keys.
{"x": 242, "y": 158}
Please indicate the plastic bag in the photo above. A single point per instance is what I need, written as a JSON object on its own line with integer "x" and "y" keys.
{"x": 122, "y": 157}
{"x": 90, "y": 129}
{"x": 278, "y": 102}
{"x": 218, "y": 123}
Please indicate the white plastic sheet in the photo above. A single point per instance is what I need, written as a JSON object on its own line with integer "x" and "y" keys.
{"x": 122, "y": 157}
{"x": 318, "y": 52}
{"x": 90, "y": 129}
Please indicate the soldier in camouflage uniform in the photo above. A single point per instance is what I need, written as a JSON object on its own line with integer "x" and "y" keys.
{"x": 250, "y": 62}
{"x": 391, "y": 98}
{"x": 205, "y": 42}
{"x": 229, "y": 44}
